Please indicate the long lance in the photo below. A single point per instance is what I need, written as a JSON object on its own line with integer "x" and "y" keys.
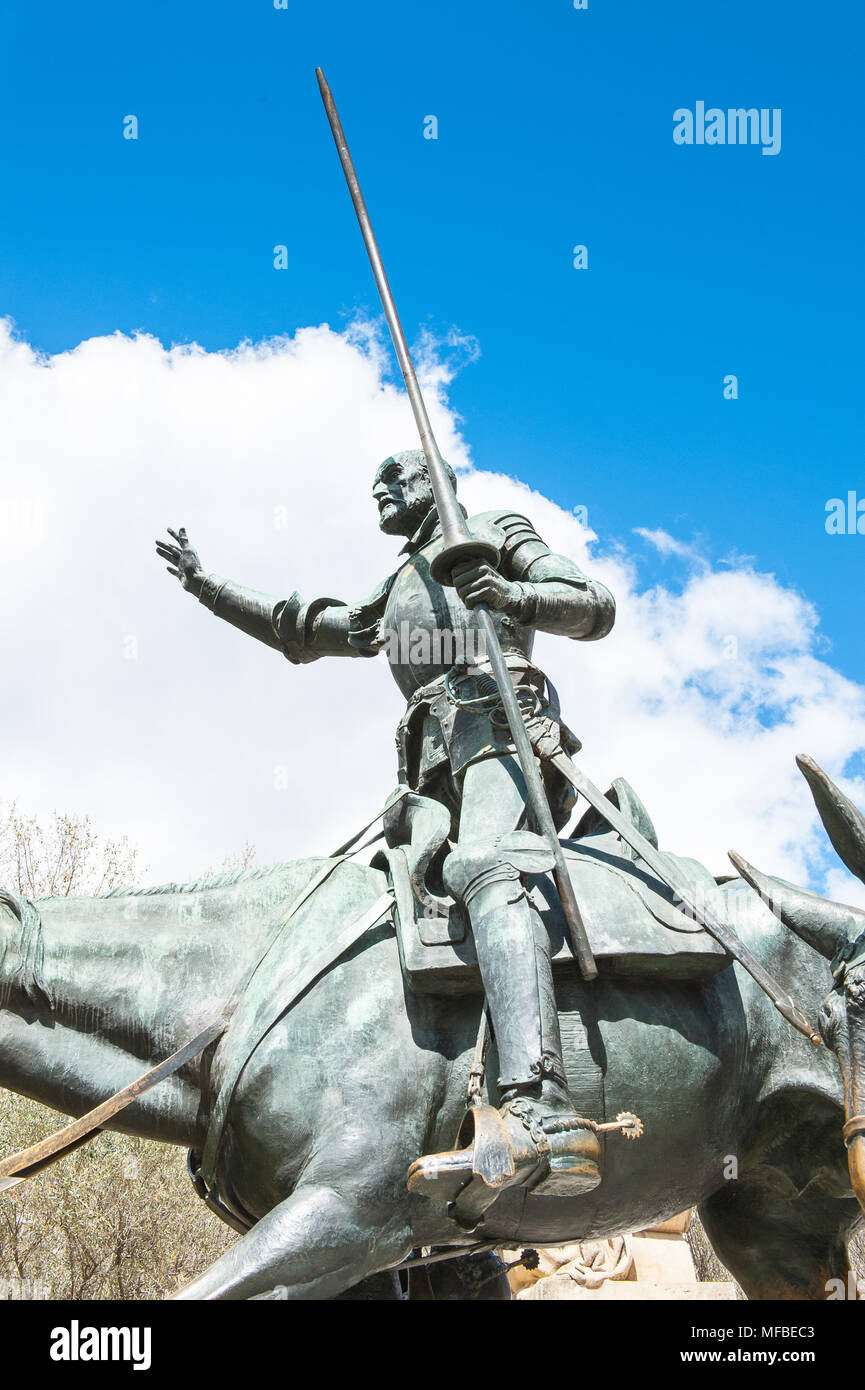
{"x": 459, "y": 544}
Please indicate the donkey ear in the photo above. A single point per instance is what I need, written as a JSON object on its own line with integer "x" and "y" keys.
{"x": 845, "y": 825}
{"x": 824, "y": 925}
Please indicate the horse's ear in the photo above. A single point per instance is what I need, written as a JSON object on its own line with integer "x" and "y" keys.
{"x": 845, "y": 824}
{"x": 824, "y": 925}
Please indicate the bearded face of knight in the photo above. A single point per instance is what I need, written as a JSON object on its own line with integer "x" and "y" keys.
{"x": 402, "y": 493}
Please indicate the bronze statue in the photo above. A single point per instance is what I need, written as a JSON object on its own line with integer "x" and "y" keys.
{"x": 455, "y": 747}
{"x": 321, "y": 1016}
{"x": 482, "y": 737}
{"x": 346, "y": 1073}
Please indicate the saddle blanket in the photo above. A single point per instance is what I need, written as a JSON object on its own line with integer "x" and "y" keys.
{"x": 635, "y": 925}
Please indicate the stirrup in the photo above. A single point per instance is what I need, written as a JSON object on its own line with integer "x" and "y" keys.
{"x": 489, "y": 1157}
{"x": 511, "y": 1147}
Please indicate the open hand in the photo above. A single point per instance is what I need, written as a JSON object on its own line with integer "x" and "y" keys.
{"x": 184, "y": 563}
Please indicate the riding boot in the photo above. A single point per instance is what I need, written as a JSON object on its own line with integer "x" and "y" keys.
{"x": 536, "y": 1138}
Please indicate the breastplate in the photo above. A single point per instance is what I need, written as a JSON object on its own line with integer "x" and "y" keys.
{"x": 427, "y": 628}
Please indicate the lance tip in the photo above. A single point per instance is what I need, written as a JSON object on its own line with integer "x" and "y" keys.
{"x": 326, "y": 94}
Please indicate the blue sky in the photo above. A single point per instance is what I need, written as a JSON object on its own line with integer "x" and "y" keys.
{"x": 601, "y": 387}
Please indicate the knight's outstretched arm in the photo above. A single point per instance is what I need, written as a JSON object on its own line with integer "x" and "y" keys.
{"x": 543, "y": 590}
{"x": 301, "y": 631}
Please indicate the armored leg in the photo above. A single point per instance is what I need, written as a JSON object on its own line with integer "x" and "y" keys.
{"x": 552, "y": 1148}
{"x": 515, "y": 967}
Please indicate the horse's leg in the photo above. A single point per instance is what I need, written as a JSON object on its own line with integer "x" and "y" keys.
{"x": 481, "y": 1277}
{"x": 376, "y": 1288}
{"x": 778, "y": 1248}
{"x": 314, "y": 1245}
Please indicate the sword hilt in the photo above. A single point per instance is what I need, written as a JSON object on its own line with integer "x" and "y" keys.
{"x": 460, "y": 545}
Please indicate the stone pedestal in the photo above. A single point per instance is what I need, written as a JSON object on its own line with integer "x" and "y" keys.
{"x": 653, "y": 1265}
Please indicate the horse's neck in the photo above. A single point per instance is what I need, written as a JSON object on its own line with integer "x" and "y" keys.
{"x": 74, "y": 1072}
{"x": 112, "y": 986}
{"x": 145, "y": 972}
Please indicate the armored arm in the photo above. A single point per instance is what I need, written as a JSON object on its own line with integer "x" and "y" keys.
{"x": 302, "y": 631}
{"x": 559, "y": 598}
{"x": 548, "y": 591}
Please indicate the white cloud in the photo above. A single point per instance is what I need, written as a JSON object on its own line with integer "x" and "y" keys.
{"x": 701, "y": 696}
{"x": 665, "y": 544}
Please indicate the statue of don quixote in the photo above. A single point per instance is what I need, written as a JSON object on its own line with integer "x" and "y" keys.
{"x": 488, "y": 1035}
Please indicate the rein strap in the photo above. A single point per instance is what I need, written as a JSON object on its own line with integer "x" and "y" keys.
{"x": 28, "y": 1162}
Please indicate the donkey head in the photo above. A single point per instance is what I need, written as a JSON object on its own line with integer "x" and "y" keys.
{"x": 838, "y": 933}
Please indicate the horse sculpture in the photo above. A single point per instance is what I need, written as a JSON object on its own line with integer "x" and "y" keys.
{"x": 743, "y": 1117}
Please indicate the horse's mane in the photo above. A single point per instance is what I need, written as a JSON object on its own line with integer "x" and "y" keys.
{"x": 223, "y": 880}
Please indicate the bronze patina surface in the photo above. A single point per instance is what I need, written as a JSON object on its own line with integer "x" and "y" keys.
{"x": 361, "y": 1074}
{"x": 353, "y": 1111}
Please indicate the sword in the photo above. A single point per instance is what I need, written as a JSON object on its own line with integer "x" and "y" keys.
{"x": 459, "y": 544}
{"x": 676, "y": 882}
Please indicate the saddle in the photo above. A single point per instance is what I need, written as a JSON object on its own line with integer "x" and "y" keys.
{"x": 634, "y": 924}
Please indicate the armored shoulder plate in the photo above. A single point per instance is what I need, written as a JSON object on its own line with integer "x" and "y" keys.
{"x": 525, "y": 555}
